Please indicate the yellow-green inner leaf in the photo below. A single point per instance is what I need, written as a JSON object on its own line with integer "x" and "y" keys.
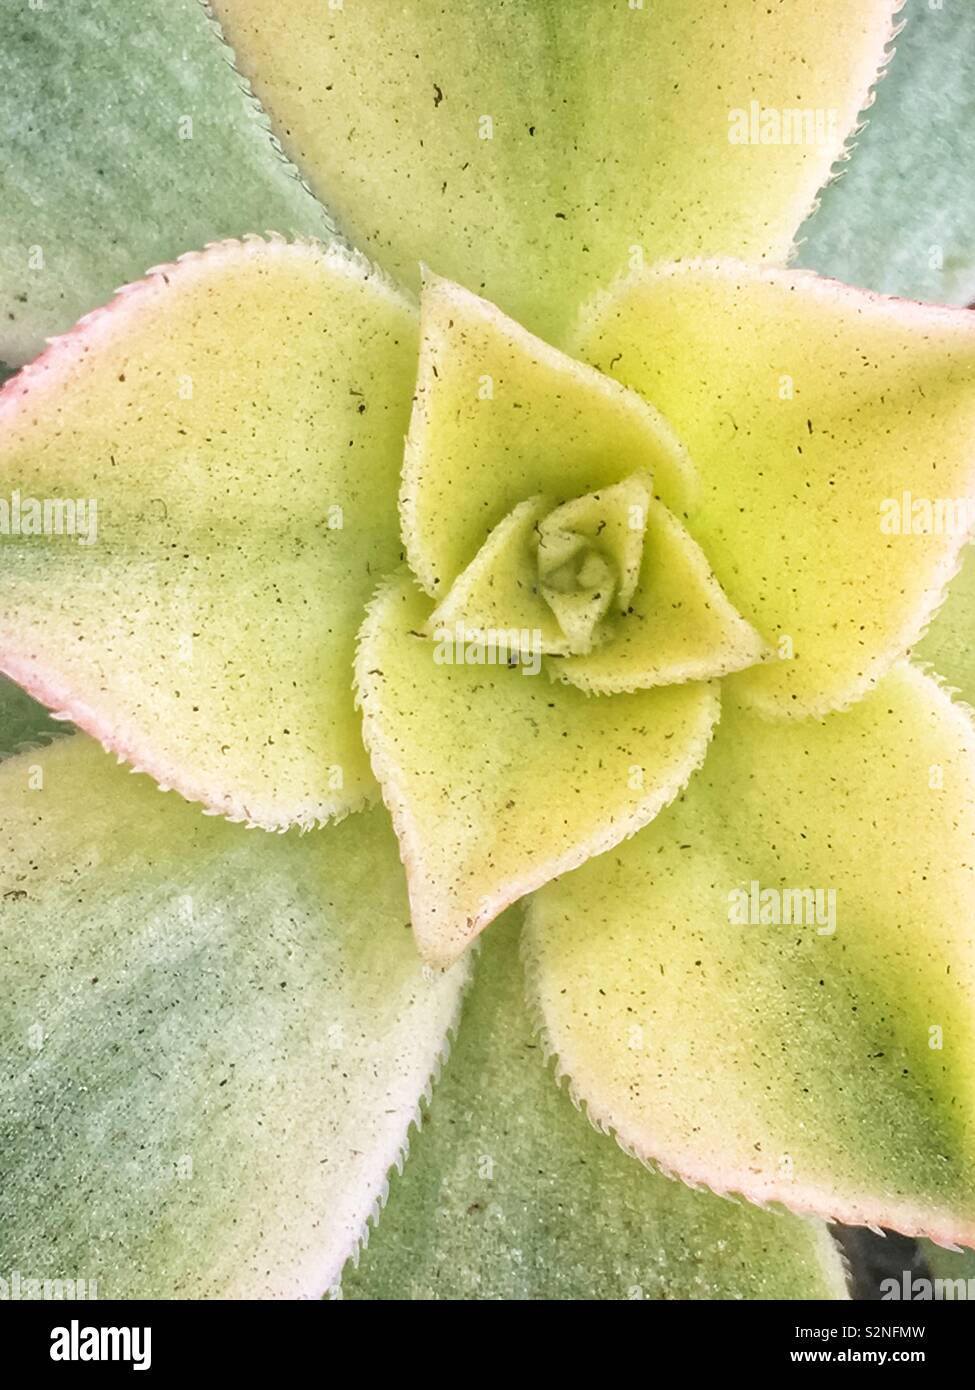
{"x": 199, "y": 484}
{"x": 496, "y": 778}
{"x": 834, "y": 435}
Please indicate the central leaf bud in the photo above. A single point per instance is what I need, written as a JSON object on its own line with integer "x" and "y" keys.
{"x": 609, "y": 588}
{"x": 588, "y": 557}
{"x": 577, "y": 583}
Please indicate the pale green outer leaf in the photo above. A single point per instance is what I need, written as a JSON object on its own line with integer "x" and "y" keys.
{"x": 238, "y": 420}
{"x": 128, "y": 139}
{"x": 953, "y": 1266}
{"x": 501, "y": 416}
{"x": 829, "y": 1071}
{"x": 510, "y": 1194}
{"x": 213, "y": 1040}
{"x": 22, "y": 720}
{"x": 901, "y": 218}
{"x": 949, "y": 644}
{"x": 531, "y": 150}
{"x": 498, "y": 778}
{"x": 811, "y": 411}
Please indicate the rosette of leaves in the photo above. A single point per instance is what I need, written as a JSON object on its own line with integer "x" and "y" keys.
{"x": 550, "y": 581}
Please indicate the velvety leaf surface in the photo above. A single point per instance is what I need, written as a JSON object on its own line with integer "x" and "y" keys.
{"x": 819, "y": 419}
{"x": 213, "y": 1040}
{"x": 532, "y": 154}
{"x": 498, "y": 778}
{"x": 128, "y": 139}
{"x": 500, "y": 417}
{"x": 510, "y": 1194}
{"x": 236, "y": 423}
{"x": 814, "y": 1052}
{"x": 900, "y": 218}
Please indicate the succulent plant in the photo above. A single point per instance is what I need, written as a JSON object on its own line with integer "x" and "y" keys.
{"x": 522, "y": 535}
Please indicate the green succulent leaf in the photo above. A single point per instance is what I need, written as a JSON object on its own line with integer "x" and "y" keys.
{"x": 769, "y": 989}
{"x": 497, "y": 778}
{"x": 955, "y": 1268}
{"x": 213, "y": 1041}
{"x": 225, "y": 441}
{"x": 22, "y": 720}
{"x": 900, "y": 219}
{"x": 533, "y": 154}
{"x": 128, "y": 138}
{"x": 949, "y": 644}
{"x": 510, "y": 1194}
{"x": 834, "y": 436}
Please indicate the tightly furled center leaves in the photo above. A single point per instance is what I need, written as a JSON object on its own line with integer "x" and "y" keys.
{"x": 612, "y": 570}
{"x": 578, "y": 582}
{"x": 587, "y": 555}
